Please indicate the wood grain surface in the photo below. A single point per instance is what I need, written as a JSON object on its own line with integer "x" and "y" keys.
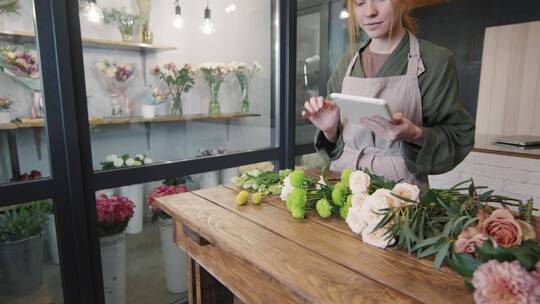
{"x": 310, "y": 276}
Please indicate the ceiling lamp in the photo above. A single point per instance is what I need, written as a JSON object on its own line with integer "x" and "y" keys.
{"x": 208, "y": 27}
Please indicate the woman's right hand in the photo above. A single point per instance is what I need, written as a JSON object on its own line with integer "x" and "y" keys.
{"x": 324, "y": 114}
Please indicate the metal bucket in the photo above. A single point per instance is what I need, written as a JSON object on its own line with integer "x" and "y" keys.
{"x": 21, "y": 266}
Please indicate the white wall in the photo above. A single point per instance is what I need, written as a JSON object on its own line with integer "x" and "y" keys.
{"x": 244, "y": 35}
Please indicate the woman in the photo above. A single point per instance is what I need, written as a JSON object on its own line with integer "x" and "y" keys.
{"x": 430, "y": 133}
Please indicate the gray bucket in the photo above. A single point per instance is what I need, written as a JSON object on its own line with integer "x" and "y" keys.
{"x": 21, "y": 266}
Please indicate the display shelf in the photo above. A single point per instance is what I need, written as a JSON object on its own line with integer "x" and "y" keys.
{"x": 24, "y": 122}
{"x": 8, "y": 126}
{"x": 25, "y": 37}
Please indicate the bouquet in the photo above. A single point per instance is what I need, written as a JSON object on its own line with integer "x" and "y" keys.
{"x": 113, "y": 214}
{"x": 265, "y": 182}
{"x": 244, "y": 73}
{"x": 169, "y": 187}
{"x": 117, "y": 76}
{"x": 34, "y": 174}
{"x": 178, "y": 81}
{"x": 214, "y": 74}
{"x": 158, "y": 97}
{"x": 9, "y": 6}
{"x": 5, "y": 103}
{"x": 113, "y": 161}
{"x": 22, "y": 65}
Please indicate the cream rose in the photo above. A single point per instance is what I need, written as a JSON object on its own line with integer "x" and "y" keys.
{"x": 358, "y": 199}
{"x": 111, "y": 158}
{"x": 371, "y": 209}
{"x": 118, "y": 163}
{"x": 319, "y": 183}
{"x": 387, "y": 195}
{"x": 355, "y": 220}
{"x": 130, "y": 162}
{"x": 502, "y": 228}
{"x": 286, "y": 189}
{"x": 359, "y": 182}
{"x": 405, "y": 190}
{"x": 378, "y": 238}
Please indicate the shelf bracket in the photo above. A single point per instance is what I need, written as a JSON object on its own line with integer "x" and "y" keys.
{"x": 147, "y": 129}
{"x": 228, "y": 122}
{"x": 13, "y": 153}
{"x": 37, "y": 141}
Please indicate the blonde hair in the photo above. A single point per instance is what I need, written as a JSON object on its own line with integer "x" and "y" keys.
{"x": 408, "y": 22}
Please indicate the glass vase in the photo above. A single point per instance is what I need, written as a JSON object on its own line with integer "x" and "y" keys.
{"x": 245, "y": 98}
{"x": 213, "y": 107}
{"x": 126, "y": 25}
{"x": 38, "y": 109}
{"x": 177, "y": 108}
{"x": 117, "y": 105}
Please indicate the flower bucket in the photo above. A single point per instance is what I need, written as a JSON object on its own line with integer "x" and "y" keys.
{"x": 135, "y": 194}
{"x": 174, "y": 258}
{"x": 208, "y": 179}
{"x": 228, "y": 174}
{"x": 21, "y": 266}
{"x": 148, "y": 111}
{"x": 113, "y": 263}
{"x": 5, "y": 117}
{"x": 52, "y": 240}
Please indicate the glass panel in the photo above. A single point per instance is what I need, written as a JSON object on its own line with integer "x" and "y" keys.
{"x": 338, "y": 36}
{"x": 23, "y": 140}
{"x": 29, "y": 260}
{"x": 307, "y": 67}
{"x": 172, "y": 86}
{"x": 311, "y": 161}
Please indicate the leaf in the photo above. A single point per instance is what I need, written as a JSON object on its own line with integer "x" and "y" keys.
{"x": 464, "y": 264}
{"x": 427, "y": 242}
{"x": 428, "y": 196}
{"x": 441, "y": 255}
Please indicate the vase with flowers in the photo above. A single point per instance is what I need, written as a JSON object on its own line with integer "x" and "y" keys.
{"x": 22, "y": 65}
{"x": 214, "y": 74}
{"x": 117, "y": 76}
{"x": 5, "y": 109}
{"x": 125, "y": 22}
{"x": 244, "y": 73}
{"x": 173, "y": 256}
{"x": 113, "y": 215}
{"x": 177, "y": 81}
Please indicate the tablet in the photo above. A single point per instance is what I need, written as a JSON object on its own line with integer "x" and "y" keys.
{"x": 353, "y": 108}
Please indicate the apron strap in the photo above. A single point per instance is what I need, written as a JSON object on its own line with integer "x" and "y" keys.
{"x": 351, "y": 64}
{"x": 415, "y": 66}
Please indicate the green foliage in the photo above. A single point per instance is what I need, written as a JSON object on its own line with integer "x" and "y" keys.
{"x": 22, "y": 222}
{"x": 9, "y": 6}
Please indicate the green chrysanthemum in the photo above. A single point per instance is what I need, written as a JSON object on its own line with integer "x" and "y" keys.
{"x": 345, "y": 174}
{"x": 297, "y": 197}
{"x": 338, "y": 196}
{"x": 297, "y": 178}
{"x": 344, "y": 211}
{"x": 297, "y": 211}
{"x": 323, "y": 208}
{"x": 349, "y": 201}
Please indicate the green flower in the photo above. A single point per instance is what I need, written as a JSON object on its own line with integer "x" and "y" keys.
{"x": 344, "y": 211}
{"x": 275, "y": 189}
{"x": 323, "y": 208}
{"x": 338, "y": 196}
{"x": 284, "y": 173}
{"x": 349, "y": 200}
{"x": 297, "y": 197}
{"x": 297, "y": 178}
{"x": 345, "y": 174}
{"x": 297, "y": 211}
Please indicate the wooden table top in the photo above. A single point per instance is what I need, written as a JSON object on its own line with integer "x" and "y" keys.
{"x": 485, "y": 143}
{"x": 315, "y": 260}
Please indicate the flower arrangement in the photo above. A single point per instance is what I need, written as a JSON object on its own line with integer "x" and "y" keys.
{"x": 244, "y": 73}
{"x": 5, "y": 103}
{"x": 178, "y": 81}
{"x": 112, "y": 161}
{"x": 117, "y": 76}
{"x": 157, "y": 97}
{"x": 169, "y": 187}
{"x": 113, "y": 214}
{"x": 34, "y": 174}
{"x": 124, "y": 21}
{"x": 214, "y": 74}
{"x": 264, "y": 182}
{"x": 9, "y": 6}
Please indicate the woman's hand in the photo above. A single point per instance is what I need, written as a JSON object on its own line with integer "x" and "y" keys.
{"x": 399, "y": 129}
{"x": 324, "y": 114}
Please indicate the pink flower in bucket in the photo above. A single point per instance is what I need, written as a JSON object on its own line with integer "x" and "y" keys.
{"x": 161, "y": 191}
{"x": 113, "y": 214}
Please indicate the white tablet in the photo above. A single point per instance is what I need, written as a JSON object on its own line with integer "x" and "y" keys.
{"x": 353, "y": 108}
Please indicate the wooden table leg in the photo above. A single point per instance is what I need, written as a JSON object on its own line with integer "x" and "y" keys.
{"x": 203, "y": 288}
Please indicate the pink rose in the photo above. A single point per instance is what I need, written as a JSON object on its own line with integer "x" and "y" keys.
{"x": 502, "y": 228}
{"x": 468, "y": 240}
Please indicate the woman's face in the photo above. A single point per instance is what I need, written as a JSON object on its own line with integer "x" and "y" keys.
{"x": 377, "y": 17}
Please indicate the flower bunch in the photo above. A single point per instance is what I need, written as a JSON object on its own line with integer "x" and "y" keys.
{"x": 5, "y": 103}
{"x": 116, "y": 71}
{"x": 211, "y": 152}
{"x": 34, "y": 174}
{"x": 158, "y": 96}
{"x": 113, "y": 214}
{"x": 178, "y": 81}
{"x": 163, "y": 190}
{"x": 20, "y": 61}
{"x": 244, "y": 72}
{"x": 112, "y": 161}
{"x": 214, "y": 73}
{"x": 264, "y": 182}
{"x": 9, "y": 6}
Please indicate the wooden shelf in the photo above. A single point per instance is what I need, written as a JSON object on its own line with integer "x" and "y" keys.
{"x": 25, "y": 37}
{"x": 8, "y": 126}
{"x": 94, "y": 121}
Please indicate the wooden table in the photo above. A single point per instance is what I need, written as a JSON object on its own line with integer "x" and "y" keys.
{"x": 260, "y": 254}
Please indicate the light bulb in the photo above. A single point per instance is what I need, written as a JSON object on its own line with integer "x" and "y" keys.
{"x": 178, "y": 22}
{"x": 344, "y": 14}
{"x": 93, "y": 13}
{"x": 231, "y": 8}
{"x": 208, "y": 27}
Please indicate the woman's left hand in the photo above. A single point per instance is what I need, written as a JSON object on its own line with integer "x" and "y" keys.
{"x": 399, "y": 129}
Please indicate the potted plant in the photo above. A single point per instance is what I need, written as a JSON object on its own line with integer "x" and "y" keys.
{"x": 5, "y": 109}
{"x": 21, "y": 248}
{"x": 173, "y": 256}
{"x": 7, "y": 7}
{"x": 113, "y": 215}
{"x": 134, "y": 192}
{"x": 177, "y": 81}
{"x": 148, "y": 109}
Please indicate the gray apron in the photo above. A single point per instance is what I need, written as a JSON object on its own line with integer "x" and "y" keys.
{"x": 363, "y": 148}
